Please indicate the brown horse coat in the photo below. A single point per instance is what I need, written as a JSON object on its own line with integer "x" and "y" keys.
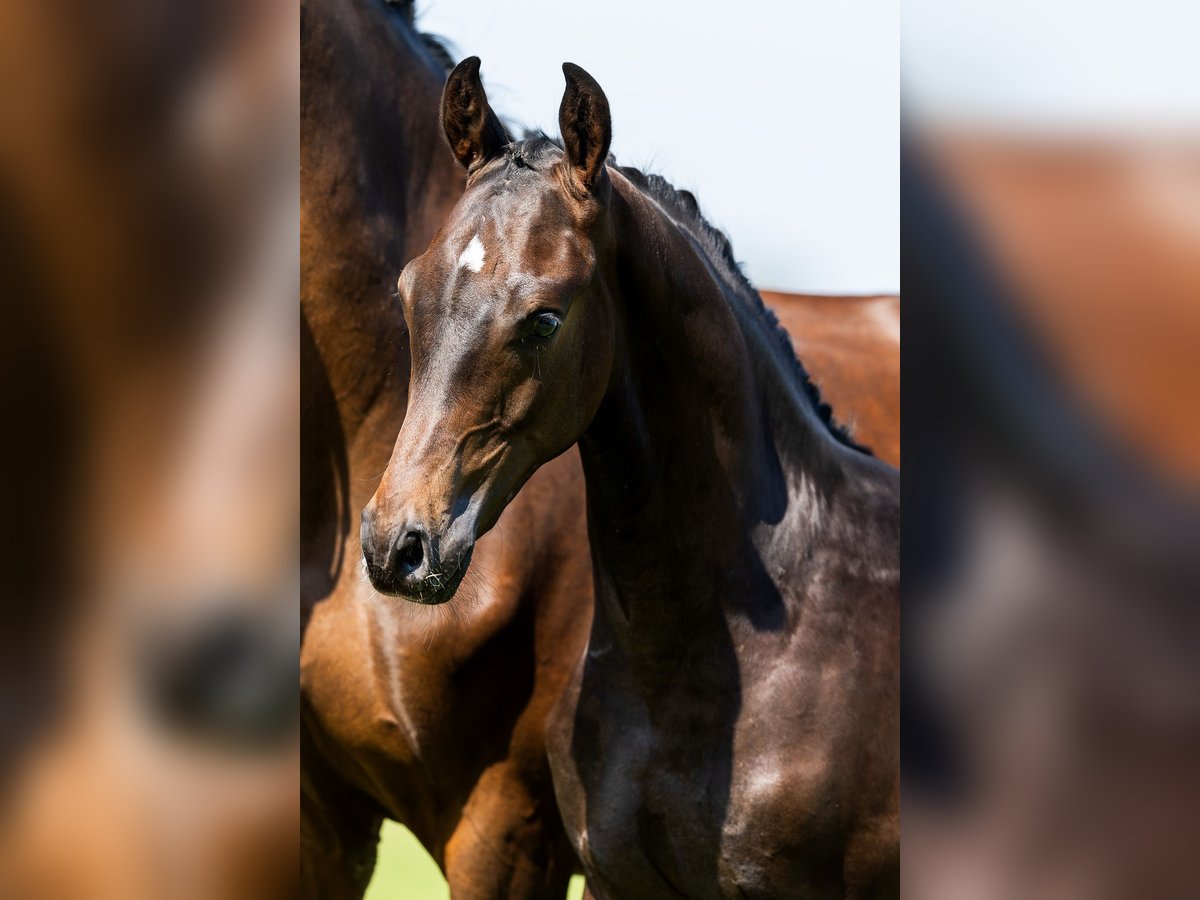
{"x": 851, "y": 347}
{"x": 434, "y": 720}
{"x": 733, "y": 728}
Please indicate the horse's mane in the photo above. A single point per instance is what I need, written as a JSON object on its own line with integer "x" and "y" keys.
{"x": 683, "y": 209}
{"x": 434, "y": 44}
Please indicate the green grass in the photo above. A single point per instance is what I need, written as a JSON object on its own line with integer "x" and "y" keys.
{"x": 405, "y": 871}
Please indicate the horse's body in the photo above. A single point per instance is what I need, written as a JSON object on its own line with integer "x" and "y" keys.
{"x": 436, "y": 721}
{"x": 733, "y": 728}
{"x": 851, "y": 347}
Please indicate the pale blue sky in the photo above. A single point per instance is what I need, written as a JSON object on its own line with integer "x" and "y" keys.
{"x": 782, "y": 118}
{"x": 1055, "y": 66}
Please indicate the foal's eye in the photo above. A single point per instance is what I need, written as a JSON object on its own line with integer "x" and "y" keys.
{"x": 546, "y": 324}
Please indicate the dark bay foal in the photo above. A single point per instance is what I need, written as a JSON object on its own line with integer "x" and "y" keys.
{"x": 733, "y": 727}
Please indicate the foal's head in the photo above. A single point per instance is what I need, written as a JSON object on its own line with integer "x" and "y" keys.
{"x": 510, "y": 331}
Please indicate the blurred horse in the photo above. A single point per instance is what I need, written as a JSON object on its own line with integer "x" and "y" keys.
{"x": 1050, "y": 704}
{"x": 146, "y": 169}
{"x": 1097, "y": 241}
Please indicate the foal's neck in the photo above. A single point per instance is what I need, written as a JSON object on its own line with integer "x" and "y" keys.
{"x": 704, "y": 443}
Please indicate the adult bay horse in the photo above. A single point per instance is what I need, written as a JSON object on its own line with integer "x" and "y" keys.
{"x": 851, "y": 347}
{"x": 435, "y": 721}
{"x": 733, "y": 728}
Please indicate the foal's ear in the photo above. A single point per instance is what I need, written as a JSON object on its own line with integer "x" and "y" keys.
{"x": 473, "y": 130}
{"x": 586, "y": 127}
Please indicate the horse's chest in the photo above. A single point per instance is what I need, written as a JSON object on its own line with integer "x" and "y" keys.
{"x": 713, "y": 811}
{"x": 668, "y": 835}
{"x": 344, "y": 692}
{"x": 651, "y": 823}
{"x": 638, "y": 838}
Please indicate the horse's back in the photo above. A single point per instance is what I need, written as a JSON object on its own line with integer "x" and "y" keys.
{"x": 851, "y": 347}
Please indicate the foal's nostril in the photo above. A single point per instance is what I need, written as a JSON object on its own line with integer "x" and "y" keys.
{"x": 409, "y": 554}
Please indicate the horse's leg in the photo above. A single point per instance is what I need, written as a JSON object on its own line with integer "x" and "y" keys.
{"x": 338, "y": 838}
{"x": 508, "y": 843}
{"x": 337, "y": 854}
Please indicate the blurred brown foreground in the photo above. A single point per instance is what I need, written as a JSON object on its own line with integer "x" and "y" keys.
{"x": 148, "y": 239}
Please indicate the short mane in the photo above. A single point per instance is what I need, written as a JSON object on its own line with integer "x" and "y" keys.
{"x": 683, "y": 209}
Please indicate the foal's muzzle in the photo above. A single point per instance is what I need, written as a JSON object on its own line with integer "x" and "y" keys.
{"x": 407, "y": 562}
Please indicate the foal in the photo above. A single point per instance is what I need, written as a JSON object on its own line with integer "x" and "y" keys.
{"x": 733, "y": 728}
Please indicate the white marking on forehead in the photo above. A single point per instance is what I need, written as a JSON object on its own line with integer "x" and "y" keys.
{"x": 472, "y": 257}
